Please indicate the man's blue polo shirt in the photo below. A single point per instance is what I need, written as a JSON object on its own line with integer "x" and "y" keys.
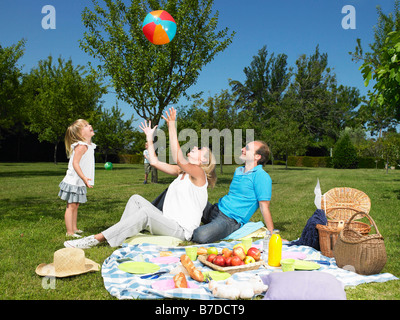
{"x": 245, "y": 191}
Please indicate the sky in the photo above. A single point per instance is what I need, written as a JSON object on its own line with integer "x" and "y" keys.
{"x": 293, "y": 27}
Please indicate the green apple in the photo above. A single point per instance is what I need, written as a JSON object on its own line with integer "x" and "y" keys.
{"x": 212, "y": 250}
{"x": 248, "y": 260}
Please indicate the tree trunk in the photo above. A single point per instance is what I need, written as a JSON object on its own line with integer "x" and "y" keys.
{"x": 55, "y": 153}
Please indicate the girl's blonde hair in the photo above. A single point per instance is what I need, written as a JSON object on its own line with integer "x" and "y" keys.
{"x": 209, "y": 169}
{"x": 74, "y": 134}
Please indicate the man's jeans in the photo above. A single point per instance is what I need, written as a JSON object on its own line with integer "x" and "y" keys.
{"x": 216, "y": 225}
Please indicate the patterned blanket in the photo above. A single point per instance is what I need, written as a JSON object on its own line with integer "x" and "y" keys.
{"x": 124, "y": 285}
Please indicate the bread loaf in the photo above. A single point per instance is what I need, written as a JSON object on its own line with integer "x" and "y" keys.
{"x": 194, "y": 273}
{"x": 180, "y": 280}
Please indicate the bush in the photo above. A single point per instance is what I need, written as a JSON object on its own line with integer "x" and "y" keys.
{"x": 370, "y": 162}
{"x": 344, "y": 154}
{"x": 305, "y": 161}
{"x": 131, "y": 158}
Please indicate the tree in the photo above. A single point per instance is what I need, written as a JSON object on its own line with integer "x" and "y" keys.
{"x": 11, "y": 94}
{"x": 311, "y": 91}
{"x": 284, "y": 135}
{"x": 381, "y": 64}
{"x": 387, "y": 76}
{"x": 113, "y": 134}
{"x": 265, "y": 84}
{"x": 391, "y": 148}
{"x": 221, "y": 116}
{"x": 147, "y": 76}
{"x": 59, "y": 94}
{"x": 344, "y": 154}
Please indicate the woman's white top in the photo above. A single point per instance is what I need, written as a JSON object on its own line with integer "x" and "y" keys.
{"x": 86, "y": 163}
{"x": 185, "y": 202}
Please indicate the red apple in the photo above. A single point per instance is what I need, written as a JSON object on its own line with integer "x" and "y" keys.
{"x": 219, "y": 260}
{"x": 236, "y": 261}
{"x": 239, "y": 252}
{"x": 228, "y": 261}
{"x": 211, "y": 257}
{"x": 255, "y": 253}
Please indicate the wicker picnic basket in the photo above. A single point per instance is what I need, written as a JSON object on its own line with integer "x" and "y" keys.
{"x": 365, "y": 253}
{"x": 339, "y": 205}
{"x": 231, "y": 270}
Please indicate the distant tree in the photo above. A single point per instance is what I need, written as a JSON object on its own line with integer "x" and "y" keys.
{"x": 284, "y": 135}
{"x": 391, "y": 148}
{"x": 221, "y": 116}
{"x": 113, "y": 134}
{"x": 344, "y": 154}
{"x": 266, "y": 80}
{"x": 11, "y": 94}
{"x": 59, "y": 94}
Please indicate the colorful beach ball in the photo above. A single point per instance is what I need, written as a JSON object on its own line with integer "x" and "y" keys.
{"x": 159, "y": 27}
{"x": 108, "y": 166}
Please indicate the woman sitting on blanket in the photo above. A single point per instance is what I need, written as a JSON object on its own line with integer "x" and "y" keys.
{"x": 184, "y": 201}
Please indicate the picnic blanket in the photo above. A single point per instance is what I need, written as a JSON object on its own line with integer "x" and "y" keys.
{"x": 123, "y": 285}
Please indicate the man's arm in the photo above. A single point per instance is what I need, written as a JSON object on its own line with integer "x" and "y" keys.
{"x": 264, "y": 208}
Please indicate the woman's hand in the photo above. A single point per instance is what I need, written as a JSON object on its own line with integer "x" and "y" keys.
{"x": 146, "y": 128}
{"x": 170, "y": 117}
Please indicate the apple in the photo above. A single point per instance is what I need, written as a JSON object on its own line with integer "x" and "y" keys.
{"x": 255, "y": 253}
{"x": 226, "y": 252}
{"x": 239, "y": 252}
{"x": 240, "y": 245}
{"x": 248, "y": 260}
{"x": 228, "y": 261}
{"x": 236, "y": 261}
{"x": 211, "y": 257}
{"x": 212, "y": 250}
{"x": 219, "y": 260}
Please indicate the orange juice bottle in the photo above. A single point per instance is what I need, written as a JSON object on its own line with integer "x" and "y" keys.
{"x": 275, "y": 249}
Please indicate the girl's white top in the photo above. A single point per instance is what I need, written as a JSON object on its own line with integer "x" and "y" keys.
{"x": 185, "y": 202}
{"x": 86, "y": 163}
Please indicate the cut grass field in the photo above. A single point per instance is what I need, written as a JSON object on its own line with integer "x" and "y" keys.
{"x": 32, "y": 219}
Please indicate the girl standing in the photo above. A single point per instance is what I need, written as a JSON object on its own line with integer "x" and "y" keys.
{"x": 80, "y": 173}
{"x": 184, "y": 202}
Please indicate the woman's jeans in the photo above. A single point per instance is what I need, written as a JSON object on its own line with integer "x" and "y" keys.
{"x": 140, "y": 214}
{"x": 216, "y": 225}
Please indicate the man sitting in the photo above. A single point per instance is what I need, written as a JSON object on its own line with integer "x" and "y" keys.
{"x": 250, "y": 189}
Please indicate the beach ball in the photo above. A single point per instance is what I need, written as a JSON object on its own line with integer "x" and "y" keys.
{"x": 108, "y": 166}
{"x": 159, "y": 27}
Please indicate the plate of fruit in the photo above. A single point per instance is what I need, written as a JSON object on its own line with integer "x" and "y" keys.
{"x": 236, "y": 260}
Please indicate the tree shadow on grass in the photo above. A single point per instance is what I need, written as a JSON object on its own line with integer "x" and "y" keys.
{"x": 31, "y": 173}
{"x": 28, "y": 209}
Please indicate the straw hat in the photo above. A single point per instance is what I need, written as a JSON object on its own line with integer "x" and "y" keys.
{"x": 67, "y": 262}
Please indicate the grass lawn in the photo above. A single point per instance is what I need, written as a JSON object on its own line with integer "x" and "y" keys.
{"x": 32, "y": 219}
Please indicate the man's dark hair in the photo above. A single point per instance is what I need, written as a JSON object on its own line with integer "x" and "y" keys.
{"x": 263, "y": 151}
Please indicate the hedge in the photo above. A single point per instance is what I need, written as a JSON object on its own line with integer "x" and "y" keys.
{"x": 326, "y": 162}
{"x": 306, "y": 161}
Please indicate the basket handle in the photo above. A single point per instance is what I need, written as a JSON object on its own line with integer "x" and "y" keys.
{"x": 369, "y": 218}
{"x": 347, "y": 208}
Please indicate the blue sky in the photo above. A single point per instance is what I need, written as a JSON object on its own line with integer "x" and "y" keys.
{"x": 293, "y": 27}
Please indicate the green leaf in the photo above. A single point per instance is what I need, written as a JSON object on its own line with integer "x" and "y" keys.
{"x": 368, "y": 77}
